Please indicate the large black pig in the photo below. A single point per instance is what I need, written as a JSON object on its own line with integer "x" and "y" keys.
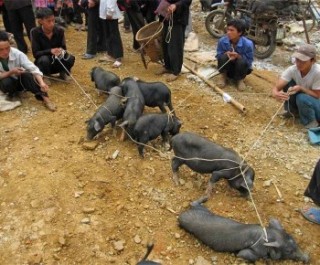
{"x": 134, "y": 105}
{"x": 156, "y": 94}
{"x": 144, "y": 260}
{"x": 104, "y": 80}
{"x": 204, "y": 156}
{"x": 150, "y": 126}
{"x": 246, "y": 240}
{"x": 109, "y": 112}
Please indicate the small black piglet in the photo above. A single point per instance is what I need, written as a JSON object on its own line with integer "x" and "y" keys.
{"x": 150, "y": 126}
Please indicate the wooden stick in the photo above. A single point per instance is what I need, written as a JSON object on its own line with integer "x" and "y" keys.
{"x": 238, "y": 105}
{"x": 278, "y": 191}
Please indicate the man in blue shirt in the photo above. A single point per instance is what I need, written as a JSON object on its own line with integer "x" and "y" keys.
{"x": 235, "y": 54}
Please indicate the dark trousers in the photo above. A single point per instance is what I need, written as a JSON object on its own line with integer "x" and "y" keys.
{"x": 5, "y": 19}
{"x": 236, "y": 70}
{"x": 313, "y": 189}
{"x": 126, "y": 22}
{"x": 18, "y": 18}
{"x": 48, "y": 65}
{"x": 96, "y": 38}
{"x": 137, "y": 22}
{"x": 114, "y": 42}
{"x": 148, "y": 10}
{"x": 173, "y": 51}
{"x": 25, "y": 81}
{"x": 77, "y": 12}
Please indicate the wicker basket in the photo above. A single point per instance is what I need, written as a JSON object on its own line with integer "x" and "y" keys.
{"x": 149, "y": 38}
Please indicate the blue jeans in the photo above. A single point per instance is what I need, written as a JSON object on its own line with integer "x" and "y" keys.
{"x": 307, "y": 106}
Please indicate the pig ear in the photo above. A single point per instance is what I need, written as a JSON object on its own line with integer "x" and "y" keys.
{"x": 274, "y": 244}
{"x": 274, "y": 223}
{"x": 97, "y": 126}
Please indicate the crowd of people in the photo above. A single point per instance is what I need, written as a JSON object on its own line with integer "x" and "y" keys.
{"x": 48, "y": 41}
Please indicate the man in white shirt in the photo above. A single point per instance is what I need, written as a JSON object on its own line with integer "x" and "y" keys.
{"x": 18, "y": 73}
{"x": 299, "y": 87}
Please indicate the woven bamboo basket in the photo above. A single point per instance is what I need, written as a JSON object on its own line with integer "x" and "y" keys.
{"x": 150, "y": 37}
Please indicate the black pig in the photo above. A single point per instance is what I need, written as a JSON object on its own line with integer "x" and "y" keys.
{"x": 144, "y": 260}
{"x": 110, "y": 111}
{"x": 248, "y": 241}
{"x": 150, "y": 126}
{"x": 104, "y": 80}
{"x": 156, "y": 94}
{"x": 226, "y": 164}
{"x": 134, "y": 105}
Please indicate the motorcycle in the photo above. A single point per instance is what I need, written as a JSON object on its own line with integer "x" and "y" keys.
{"x": 264, "y": 29}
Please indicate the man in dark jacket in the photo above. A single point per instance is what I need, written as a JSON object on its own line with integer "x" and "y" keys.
{"x": 49, "y": 46}
{"x": 175, "y": 14}
{"x": 20, "y": 13}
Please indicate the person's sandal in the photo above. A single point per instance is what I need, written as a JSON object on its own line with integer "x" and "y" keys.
{"x": 312, "y": 214}
{"x": 50, "y": 105}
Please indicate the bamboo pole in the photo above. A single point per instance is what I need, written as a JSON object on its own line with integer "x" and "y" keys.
{"x": 226, "y": 96}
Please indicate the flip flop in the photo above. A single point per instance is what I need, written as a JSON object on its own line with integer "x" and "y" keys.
{"x": 312, "y": 214}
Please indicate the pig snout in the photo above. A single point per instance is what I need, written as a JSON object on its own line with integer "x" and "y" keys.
{"x": 301, "y": 256}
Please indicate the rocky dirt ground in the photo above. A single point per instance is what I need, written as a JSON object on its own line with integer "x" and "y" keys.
{"x": 61, "y": 203}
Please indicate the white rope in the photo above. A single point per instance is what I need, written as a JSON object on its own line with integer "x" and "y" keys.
{"x": 170, "y": 26}
{"x": 84, "y": 92}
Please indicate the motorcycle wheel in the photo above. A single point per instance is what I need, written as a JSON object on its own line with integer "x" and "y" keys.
{"x": 262, "y": 52}
{"x": 216, "y": 23}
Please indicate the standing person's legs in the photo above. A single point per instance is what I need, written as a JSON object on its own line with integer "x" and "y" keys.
{"x": 101, "y": 36}
{"x": 126, "y": 22}
{"x": 114, "y": 42}
{"x": 93, "y": 20}
{"x": 165, "y": 48}
{"x": 17, "y": 30}
{"x": 175, "y": 48}
{"x": 27, "y": 17}
{"x": 77, "y": 16}
{"x": 151, "y": 7}
{"x": 5, "y": 19}
{"x": 137, "y": 22}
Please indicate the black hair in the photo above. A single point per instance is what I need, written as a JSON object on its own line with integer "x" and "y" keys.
{"x": 4, "y": 36}
{"x": 44, "y": 13}
{"x": 237, "y": 23}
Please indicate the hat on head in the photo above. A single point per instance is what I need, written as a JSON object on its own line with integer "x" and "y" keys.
{"x": 305, "y": 52}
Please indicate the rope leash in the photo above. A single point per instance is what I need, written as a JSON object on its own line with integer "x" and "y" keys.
{"x": 170, "y": 26}
{"x": 68, "y": 72}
